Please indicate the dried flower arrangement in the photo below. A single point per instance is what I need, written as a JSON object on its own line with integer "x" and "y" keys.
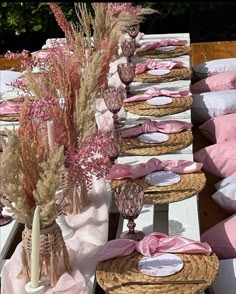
{"x": 77, "y": 73}
{"x": 30, "y": 174}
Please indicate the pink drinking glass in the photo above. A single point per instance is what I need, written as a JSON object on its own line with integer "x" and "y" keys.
{"x": 129, "y": 200}
{"x": 133, "y": 30}
{"x": 128, "y": 48}
{"x": 113, "y": 145}
{"x": 126, "y": 73}
{"x": 113, "y": 98}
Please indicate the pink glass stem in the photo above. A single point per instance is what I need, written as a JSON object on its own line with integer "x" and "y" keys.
{"x": 131, "y": 225}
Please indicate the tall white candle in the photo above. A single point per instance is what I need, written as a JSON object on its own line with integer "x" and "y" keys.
{"x": 51, "y": 133}
{"x": 35, "y": 249}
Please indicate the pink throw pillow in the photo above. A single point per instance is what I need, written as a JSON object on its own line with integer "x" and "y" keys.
{"x": 218, "y": 159}
{"x": 221, "y": 128}
{"x": 222, "y": 238}
{"x": 218, "y": 82}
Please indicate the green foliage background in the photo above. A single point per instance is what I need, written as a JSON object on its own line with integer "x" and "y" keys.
{"x": 27, "y": 25}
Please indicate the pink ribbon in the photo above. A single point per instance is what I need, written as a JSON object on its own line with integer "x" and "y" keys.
{"x": 152, "y": 64}
{"x": 167, "y": 126}
{"x": 120, "y": 171}
{"x": 154, "y": 91}
{"x": 162, "y": 43}
{"x": 9, "y": 107}
{"x": 152, "y": 245}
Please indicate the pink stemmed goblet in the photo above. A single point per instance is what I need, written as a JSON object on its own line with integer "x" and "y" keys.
{"x": 126, "y": 73}
{"x": 133, "y": 30}
{"x": 113, "y": 145}
{"x": 128, "y": 48}
{"x": 113, "y": 98}
{"x": 129, "y": 200}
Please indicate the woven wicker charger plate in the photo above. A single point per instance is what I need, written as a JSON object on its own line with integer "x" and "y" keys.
{"x": 189, "y": 185}
{"x": 179, "y": 51}
{"x": 120, "y": 275}
{"x": 176, "y": 106}
{"x": 174, "y": 75}
{"x": 175, "y": 142}
{"x": 10, "y": 118}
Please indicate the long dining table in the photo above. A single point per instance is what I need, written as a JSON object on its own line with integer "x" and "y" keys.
{"x": 179, "y": 218}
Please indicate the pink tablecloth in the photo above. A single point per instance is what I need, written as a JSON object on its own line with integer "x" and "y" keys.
{"x": 91, "y": 233}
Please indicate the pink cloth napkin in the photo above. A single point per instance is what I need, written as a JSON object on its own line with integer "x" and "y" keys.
{"x": 9, "y": 107}
{"x": 154, "y": 91}
{"x": 119, "y": 171}
{"x": 152, "y": 64}
{"x": 162, "y": 43}
{"x": 152, "y": 245}
{"x": 167, "y": 127}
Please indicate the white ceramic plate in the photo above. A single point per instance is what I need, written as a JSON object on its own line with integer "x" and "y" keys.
{"x": 153, "y": 138}
{"x": 162, "y": 178}
{"x": 159, "y": 100}
{"x": 161, "y": 266}
{"x": 166, "y": 48}
{"x": 158, "y": 72}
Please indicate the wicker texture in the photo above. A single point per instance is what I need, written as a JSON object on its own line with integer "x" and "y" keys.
{"x": 189, "y": 185}
{"x": 54, "y": 258}
{"x": 176, "y": 106}
{"x": 176, "y": 141}
{"x": 10, "y": 118}
{"x": 174, "y": 75}
{"x": 121, "y": 276}
{"x": 179, "y": 51}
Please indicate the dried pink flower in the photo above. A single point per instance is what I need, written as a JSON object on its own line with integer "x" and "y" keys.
{"x": 118, "y": 7}
{"x": 61, "y": 20}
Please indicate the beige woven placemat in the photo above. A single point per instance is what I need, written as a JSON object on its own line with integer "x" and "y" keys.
{"x": 174, "y": 75}
{"x": 143, "y": 108}
{"x": 120, "y": 275}
{"x": 189, "y": 185}
{"x": 179, "y": 51}
{"x": 10, "y": 118}
{"x": 176, "y": 141}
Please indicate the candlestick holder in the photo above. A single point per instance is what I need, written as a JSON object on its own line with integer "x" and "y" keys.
{"x": 39, "y": 290}
{"x": 67, "y": 231}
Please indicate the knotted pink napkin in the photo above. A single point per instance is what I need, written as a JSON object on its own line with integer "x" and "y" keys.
{"x": 152, "y": 245}
{"x": 119, "y": 171}
{"x": 162, "y": 43}
{"x": 9, "y": 107}
{"x": 167, "y": 127}
{"x": 154, "y": 91}
{"x": 152, "y": 64}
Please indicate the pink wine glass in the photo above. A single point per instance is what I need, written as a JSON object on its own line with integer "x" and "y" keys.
{"x": 128, "y": 48}
{"x": 126, "y": 73}
{"x": 113, "y": 98}
{"x": 133, "y": 30}
{"x": 113, "y": 145}
{"x": 129, "y": 200}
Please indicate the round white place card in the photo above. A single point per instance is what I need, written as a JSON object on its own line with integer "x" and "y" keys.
{"x": 159, "y": 100}
{"x": 162, "y": 178}
{"x": 153, "y": 138}
{"x": 158, "y": 72}
{"x": 161, "y": 266}
{"x": 166, "y": 48}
